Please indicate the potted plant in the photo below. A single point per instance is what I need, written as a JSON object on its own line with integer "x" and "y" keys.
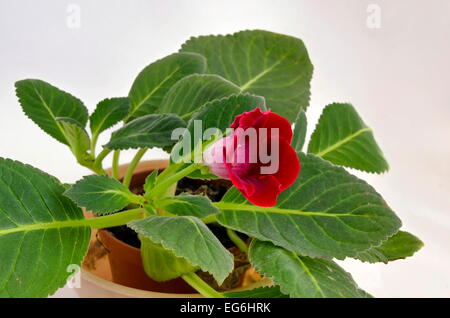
{"x": 222, "y": 107}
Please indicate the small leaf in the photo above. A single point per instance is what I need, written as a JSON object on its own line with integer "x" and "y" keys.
{"x": 161, "y": 264}
{"x": 272, "y": 65}
{"x": 150, "y": 181}
{"x": 299, "y": 137}
{"x": 190, "y": 238}
{"x": 76, "y": 136}
{"x": 343, "y": 138}
{"x": 193, "y": 91}
{"x": 41, "y": 232}
{"x": 109, "y": 112}
{"x": 399, "y": 246}
{"x": 260, "y": 292}
{"x": 146, "y": 132}
{"x": 188, "y": 205}
{"x": 300, "y": 276}
{"x": 152, "y": 84}
{"x": 43, "y": 103}
{"x": 326, "y": 213}
{"x": 101, "y": 194}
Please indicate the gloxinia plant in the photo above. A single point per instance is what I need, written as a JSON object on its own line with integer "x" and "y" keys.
{"x": 291, "y": 209}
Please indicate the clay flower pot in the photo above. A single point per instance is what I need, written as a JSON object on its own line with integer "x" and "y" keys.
{"x": 113, "y": 268}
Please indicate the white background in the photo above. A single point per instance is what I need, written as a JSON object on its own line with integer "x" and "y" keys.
{"x": 397, "y": 76}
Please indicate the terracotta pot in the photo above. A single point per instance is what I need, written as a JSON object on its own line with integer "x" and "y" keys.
{"x": 113, "y": 268}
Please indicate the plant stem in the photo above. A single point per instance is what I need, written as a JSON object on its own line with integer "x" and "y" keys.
{"x": 199, "y": 285}
{"x": 115, "y": 170}
{"x": 164, "y": 185}
{"x": 115, "y": 219}
{"x": 97, "y": 166}
{"x": 237, "y": 240}
{"x": 210, "y": 219}
{"x": 132, "y": 166}
{"x": 93, "y": 144}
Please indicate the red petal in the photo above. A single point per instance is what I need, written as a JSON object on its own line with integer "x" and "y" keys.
{"x": 272, "y": 120}
{"x": 248, "y": 119}
{"x": 289, "y": 166}
{"x": 264, "y": 190}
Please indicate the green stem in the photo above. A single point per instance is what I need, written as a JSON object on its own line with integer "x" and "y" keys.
{"x": 93, "y": 144}
{"x": 115, "y": 219}
{"x": 115, "y": 170}
{"x": 133, "y": 165}
{"x": 160, "y": 188}
{"x": 98, "y": 161}
{"x": 237, "y": 240}
{"x": 203, "y": 288}
{"x": 210, "y": 219}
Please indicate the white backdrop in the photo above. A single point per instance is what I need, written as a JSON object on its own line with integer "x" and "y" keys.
{"x": 396, "y": 75}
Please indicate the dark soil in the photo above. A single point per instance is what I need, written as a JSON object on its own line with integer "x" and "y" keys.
{"x": 213, "y": 189}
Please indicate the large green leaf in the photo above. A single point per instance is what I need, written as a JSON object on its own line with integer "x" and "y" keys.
{"x": 399, "y": 246}
{"x": 43, "y": 103}
{"x": 218, "y": 114}
{"x": 146, "y": 132}
{"x": 188, "y": 237}
{"x": 101, "y": 194}
{"x": 343, "y": 138}
{"x": 109, "y": 112}
{"x": 76, "y": 136}
{"x": 193, "y": 91}
{"x": 301, "y": 276}
{"x": 298, "y": 140}
{"x": 327, "y": 212}
{"x": 41, "y": 232}
{"x": 272, "y": 65}
{"x": 187, "y": 205}
{"x": 152, "y": 84}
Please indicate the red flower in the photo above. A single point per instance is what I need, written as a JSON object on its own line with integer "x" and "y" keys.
{"x": 261, "y": 167}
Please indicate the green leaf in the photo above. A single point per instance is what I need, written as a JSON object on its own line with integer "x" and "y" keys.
{"x": 161, "y": 264}
{"x": 272, "y": 65}
{"x": 146, "y": 132}
{"x": 187, "y": 205}
{"x": 76, "y": 136}
{"x": 301, "y": 276}
{"x": 43, "y": 103}
{"x": 299, "y": 137}
{"x": 152, "y": 84}
{"x": 343, "y": 138}
{"x": 41, "y": 232}
{"x": 399, "y": 246}
{"x": 188, "y": 237}
{"x": 220, "y": 114}
{"x": 109, "y": 112}
{"x": 327, "y": 212}
{"x": 101, "y": 194}
{"x": 260, "y": 292}
{"x": 193, "y": 91}
{"x": 150, "y": 181}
